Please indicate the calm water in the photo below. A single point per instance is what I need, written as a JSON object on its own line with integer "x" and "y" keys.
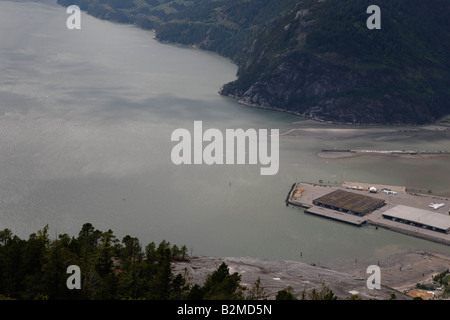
{"x": 86, "y": 119}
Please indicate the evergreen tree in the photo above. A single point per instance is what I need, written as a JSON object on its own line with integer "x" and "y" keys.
{"x": 221, "y": 285}
{"x": 257, "y": 292}
{"x": 285, "y": 294}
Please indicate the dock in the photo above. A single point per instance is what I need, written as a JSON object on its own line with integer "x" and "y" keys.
{"x": 336, "y": 215}
{"x": 395, "y": 199}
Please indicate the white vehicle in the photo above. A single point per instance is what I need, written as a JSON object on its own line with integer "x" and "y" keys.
{"x": 436, "y": 206}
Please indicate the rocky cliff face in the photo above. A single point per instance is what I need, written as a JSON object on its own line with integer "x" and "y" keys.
{"x": 287, "y": 72}
{"x": 314, "y": 87}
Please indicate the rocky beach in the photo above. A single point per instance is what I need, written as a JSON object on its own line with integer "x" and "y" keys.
{"x": 400, "y": 272}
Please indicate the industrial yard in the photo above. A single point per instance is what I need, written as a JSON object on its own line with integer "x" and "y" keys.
{"x": 390, "y": 207}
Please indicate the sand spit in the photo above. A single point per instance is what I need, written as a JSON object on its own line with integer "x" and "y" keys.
{"x": 310, "y": 129}
{"x": 358, "y": 153}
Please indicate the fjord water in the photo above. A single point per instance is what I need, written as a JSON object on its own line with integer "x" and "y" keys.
{"x": 86, "y": 118}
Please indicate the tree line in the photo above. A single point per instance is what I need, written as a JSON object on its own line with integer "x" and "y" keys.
{"x": 36, "y": 269}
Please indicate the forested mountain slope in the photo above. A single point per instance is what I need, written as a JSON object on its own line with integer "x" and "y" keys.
{"x": 314, "y": 58}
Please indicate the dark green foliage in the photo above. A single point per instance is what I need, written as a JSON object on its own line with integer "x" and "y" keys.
{"x": 20, "y": 264}
{"x": 183, "y": 32}
{"x": 36, "y": 268}
{"x": 285, "y": 294}
{"x": 425, "y": 286}
{"x": 324, "y": 293}
{"x": 398, "y": 74}
{"x": 224, "y": 26}
{"x": 220, "y": 285}
{"x": 442, "y": 277}
{"x": 110, "y": 269}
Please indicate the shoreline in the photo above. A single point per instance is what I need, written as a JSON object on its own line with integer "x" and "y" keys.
{"x": 241, "y": 101}
{"x": 276, "y": 275}
{"x": 400, "y": 272}
{"x": 393, "y": 154}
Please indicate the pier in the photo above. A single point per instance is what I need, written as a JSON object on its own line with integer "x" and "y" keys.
{"x": 335, "y": 203}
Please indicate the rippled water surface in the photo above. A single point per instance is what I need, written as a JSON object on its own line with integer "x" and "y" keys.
{"x": 86, "y": 119}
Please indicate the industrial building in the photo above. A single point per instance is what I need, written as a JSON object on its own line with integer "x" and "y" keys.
{"x": 420, "y": 218}
{"x": 349, "y": 202}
